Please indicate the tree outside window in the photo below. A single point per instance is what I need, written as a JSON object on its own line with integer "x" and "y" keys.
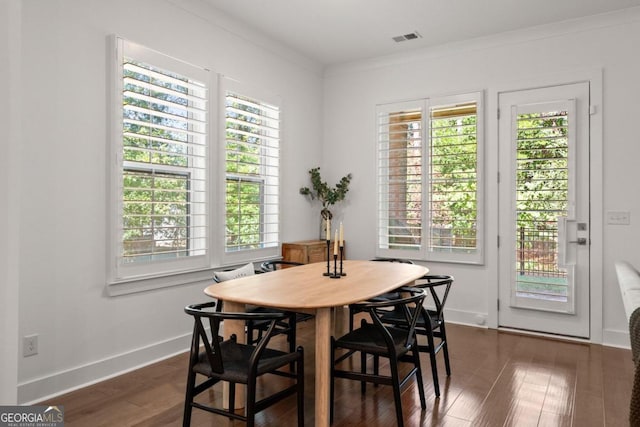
{"x": 251, "y": 167}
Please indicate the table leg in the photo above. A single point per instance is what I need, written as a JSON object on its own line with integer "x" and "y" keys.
{"x": 323, "y": 367}
{"x": 234, "y": 327}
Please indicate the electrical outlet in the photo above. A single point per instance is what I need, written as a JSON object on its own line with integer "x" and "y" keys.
{"x": 30, "y": 345}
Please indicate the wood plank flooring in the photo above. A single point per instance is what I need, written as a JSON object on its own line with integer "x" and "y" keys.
{"x": 498, "y": 379}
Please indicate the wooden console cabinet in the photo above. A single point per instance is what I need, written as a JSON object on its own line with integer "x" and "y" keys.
{"x": 306, "y": 251}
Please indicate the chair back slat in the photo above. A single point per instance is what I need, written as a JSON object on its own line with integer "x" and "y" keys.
{"x": 400, "y": 260}
{"x": 274, "y": 265}
{"x": 439, "y": 287}
{"x": 409, "y": 302}
{"x": 212, "y": 347}
{"x": 200, "y": 337}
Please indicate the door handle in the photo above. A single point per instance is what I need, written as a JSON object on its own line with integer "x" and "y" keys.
{"x": 579, "y": 241}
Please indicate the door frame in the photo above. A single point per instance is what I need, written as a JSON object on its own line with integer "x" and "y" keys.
{"x": 569, "y": 317}
{"x": 594, "y": 77}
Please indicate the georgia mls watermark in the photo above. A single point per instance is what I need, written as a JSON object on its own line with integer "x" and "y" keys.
{"x": 31, "y": 416}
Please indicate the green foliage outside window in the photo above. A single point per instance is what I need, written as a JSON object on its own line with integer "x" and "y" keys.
{"x": 541, "y": 191}
{"x": 245, "y": 180}
{"x": 542, "y": 172}
{"x": 453, "y": 181}
{"x": 155, "y": 202}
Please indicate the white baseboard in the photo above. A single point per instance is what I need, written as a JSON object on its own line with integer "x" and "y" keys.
{"x": 615, "y": 338}
{"x": 48, "y": 387}
{"x": 466, "y": 318}
{"x": 610, "y": 337}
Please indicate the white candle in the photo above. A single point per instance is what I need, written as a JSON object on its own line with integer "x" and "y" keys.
{"x": 335, "y": 244}
{"x": 328, "y": 229}
{"x": 341, "y": 236}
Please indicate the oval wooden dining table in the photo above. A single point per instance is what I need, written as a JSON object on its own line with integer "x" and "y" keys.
{"x": 305, "y": 289}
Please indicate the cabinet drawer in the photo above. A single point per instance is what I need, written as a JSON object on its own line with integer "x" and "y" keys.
{"x": 317, "y": 253}
{"x": 307, "y": 251}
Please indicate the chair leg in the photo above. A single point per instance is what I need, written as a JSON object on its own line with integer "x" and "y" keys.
{"x": 376, "y": 367}
{"x": 300, "y": 387}
{"x": 232, "y": 397}
{"x": 251, "y": 403}
{"x": 395, "y": 379}
{"x": 249, "y": 332}
{"x": 434, "y": 363}
{"x": 291, "y": 336}
{"x": 445, "y": 349}
{"x": 191, "y": 380}
{"x": 333, "y": 379}
{"x": 363, "y": 369}
{"x": 416, "y": 363}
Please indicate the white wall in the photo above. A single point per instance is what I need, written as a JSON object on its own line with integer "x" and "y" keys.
{"x": 85, "y": 335}
{"x": 509, "y": 61}
{"x": 9, "y": 118}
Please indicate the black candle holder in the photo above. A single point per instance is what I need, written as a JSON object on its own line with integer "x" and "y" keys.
{"x": 342, "y": 273}
{"x": 328, "y": 273}
{"x": 335, "y": 274}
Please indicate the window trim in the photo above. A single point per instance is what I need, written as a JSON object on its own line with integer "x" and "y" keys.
{"x": 242, "y": 256}
{"x": 423, "y": 252}
{"x": 123, "y": 279}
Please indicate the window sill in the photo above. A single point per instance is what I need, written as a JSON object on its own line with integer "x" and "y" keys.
{"x": 144, "y": 284}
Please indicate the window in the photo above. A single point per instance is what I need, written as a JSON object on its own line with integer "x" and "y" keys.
{"x": 252, "y": 154}
{"x": 161, "y": 169}
{"x": 429, "y": 179}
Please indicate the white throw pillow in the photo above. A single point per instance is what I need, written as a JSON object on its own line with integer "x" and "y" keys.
{"x": 247, "y": 270}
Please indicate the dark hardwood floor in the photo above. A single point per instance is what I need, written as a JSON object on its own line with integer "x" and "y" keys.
{"x": 498, "y": 379}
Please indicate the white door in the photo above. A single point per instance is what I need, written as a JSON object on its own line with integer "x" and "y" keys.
{"x": 544, "y": 225}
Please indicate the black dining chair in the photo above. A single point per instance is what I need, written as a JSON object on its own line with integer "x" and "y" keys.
{"x": 256, "y": 327}
{"x": 234, "y": 273}
{"x": 274, "y": 265}
{"x": 353, "y": 309}
{"x": 397, "y": 344}
{"x": 431, "y": 323}
{"x": 227, "y": 360}
{"x": 400, "y": 260}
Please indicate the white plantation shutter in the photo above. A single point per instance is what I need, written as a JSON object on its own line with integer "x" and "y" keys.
{"x": 252, "y": 156}
{"x": 163, "y": 163}
{"x": 429, "y": 179}
{"x": 453, "y": 178}
{"x": 400, "y": 195}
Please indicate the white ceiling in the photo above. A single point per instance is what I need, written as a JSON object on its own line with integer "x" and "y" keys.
{"x": 337, "y": 31}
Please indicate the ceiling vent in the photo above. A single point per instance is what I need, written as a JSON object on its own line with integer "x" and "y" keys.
{"x": 405, "y": 37}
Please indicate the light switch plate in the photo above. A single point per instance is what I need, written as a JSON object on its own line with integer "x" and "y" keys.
{"x": 618, "y": 217}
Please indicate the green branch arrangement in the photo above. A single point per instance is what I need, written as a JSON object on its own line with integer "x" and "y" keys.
{"x": 321, "y": 191}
